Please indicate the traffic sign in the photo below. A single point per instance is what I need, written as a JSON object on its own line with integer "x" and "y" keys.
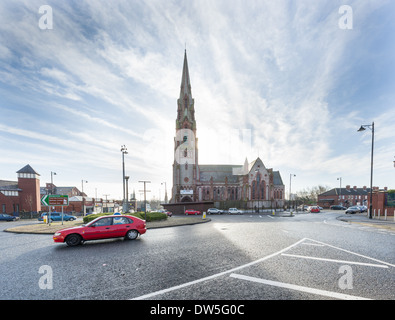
{"x": 55, "y": 200}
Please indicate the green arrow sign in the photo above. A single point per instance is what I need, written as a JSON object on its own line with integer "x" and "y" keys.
{"x": 55, "y": 200}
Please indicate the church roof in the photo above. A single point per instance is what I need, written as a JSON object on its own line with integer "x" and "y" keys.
{"x": 219, "y": 172}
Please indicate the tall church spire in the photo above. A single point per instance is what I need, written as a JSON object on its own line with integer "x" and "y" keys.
{"x": 185, "y": 81}
{"x": 185, "y": 110}
{"x": 185, "y": 166}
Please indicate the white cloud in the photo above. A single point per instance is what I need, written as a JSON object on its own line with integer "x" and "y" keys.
{"x": 111, "y": 72}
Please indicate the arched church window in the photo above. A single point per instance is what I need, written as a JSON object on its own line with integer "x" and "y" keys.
{"x": 185, "y": 152}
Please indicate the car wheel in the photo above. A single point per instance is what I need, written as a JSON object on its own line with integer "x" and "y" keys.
{"x": 132, "y": 235}
{"x": 73, "y": 240}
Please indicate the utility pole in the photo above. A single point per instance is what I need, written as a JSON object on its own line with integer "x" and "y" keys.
{"x": 106, "y": 203}
{"x": 145, "y": 199}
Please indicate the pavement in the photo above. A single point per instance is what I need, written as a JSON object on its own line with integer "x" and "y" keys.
{"x": 35, "y": 227}
{"x": 362, "y": 218}
{"x": 41, "y": 228}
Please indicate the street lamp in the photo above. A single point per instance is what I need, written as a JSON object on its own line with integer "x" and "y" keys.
{"x": 52, "y": 174}
{"x": 290, "y": 179}
{"x": 339, "y": 202}
{"x": 363, "y": 128}
{"x": 124, "y": 151}
{"x": 127, "y": 193}
{"x": 83, "y": 198}
{"x": 166, "y": 199}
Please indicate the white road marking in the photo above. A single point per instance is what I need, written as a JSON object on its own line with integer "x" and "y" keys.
{"x": 357, "y": 254}
{"x": 290, "y": 286}
{"x": 313, "y": 244}
{"x": 152, "y": 294}
{"x": 325, "y": 293}
{"x": 334, "y": 260}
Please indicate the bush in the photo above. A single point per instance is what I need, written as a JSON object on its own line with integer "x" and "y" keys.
{"x": 91, "y": 217}
{"x": 151, "y": 216}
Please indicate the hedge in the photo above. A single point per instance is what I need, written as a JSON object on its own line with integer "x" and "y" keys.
{"x": 151, "y": 216}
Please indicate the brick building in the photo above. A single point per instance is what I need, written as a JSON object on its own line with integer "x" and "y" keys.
{"x": 21, "y": 195}
{"x": 346, "y": 197}
{"x": 383, "y": 203}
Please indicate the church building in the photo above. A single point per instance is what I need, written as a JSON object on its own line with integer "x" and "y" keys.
{"x": 248, "y": 185}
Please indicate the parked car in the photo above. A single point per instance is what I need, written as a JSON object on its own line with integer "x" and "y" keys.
{"x": 57, "y": 216}
{"x": 214, "y": 211}
{"x": 7, "y": 217}
{"x": 168, "y": 213}
{"x": 337, "y": 207}
{"x": 191, "y": 211}
{"x": 234, "y": 211}
{"x": 363, "y": 208}
{"x": 313, "y": 209}
{"x": 354, "y": 209}
{"x": 104, "y": 227}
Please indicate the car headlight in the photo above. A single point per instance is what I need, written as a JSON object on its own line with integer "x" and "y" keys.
{"x": 57, "y": 234}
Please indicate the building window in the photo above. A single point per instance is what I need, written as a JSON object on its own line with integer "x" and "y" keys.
{"x": 3, "y": 208}
{"x": 10, "y": 193}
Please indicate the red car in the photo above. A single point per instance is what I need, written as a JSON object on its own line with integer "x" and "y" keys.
{"x": 314, "y": 209}
{"x": 191, "y": 211}
{"x": 105, "y": 227}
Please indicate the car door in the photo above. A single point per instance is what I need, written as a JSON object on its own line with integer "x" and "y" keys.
{"x": 101, "y": 229}
{"x": 121, "y": 226}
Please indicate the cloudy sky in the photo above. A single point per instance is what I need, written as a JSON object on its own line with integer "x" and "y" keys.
{"x": 288, "y": 81}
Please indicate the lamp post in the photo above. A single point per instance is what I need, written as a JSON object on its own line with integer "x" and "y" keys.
{"x": 52, "y": 174}
{"x": 124, "y": 151}
{"x": 83, "y": 198}
{"x": 339, "y": 202}
{"x": 127, "y": 193}
{"x": 290, "y": 179}
{"x": 258, "y": 180}
{"x": 166, "y": 199}
{"x": 363, "y": 128}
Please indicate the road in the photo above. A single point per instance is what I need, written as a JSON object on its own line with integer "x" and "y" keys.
{"x": 259, "y": 257}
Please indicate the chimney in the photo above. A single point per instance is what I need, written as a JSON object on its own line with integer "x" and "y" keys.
{"x": 348, "y": 187}
{"x": 364, "y": 188}
{"x": 355, "y": 188}
{"x": 385, "y": 188}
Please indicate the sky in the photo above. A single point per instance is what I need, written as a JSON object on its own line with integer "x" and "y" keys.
{"x": 288, "y": 81}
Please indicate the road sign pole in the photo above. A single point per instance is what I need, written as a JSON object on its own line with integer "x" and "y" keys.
{"x": 49, "y": 216}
